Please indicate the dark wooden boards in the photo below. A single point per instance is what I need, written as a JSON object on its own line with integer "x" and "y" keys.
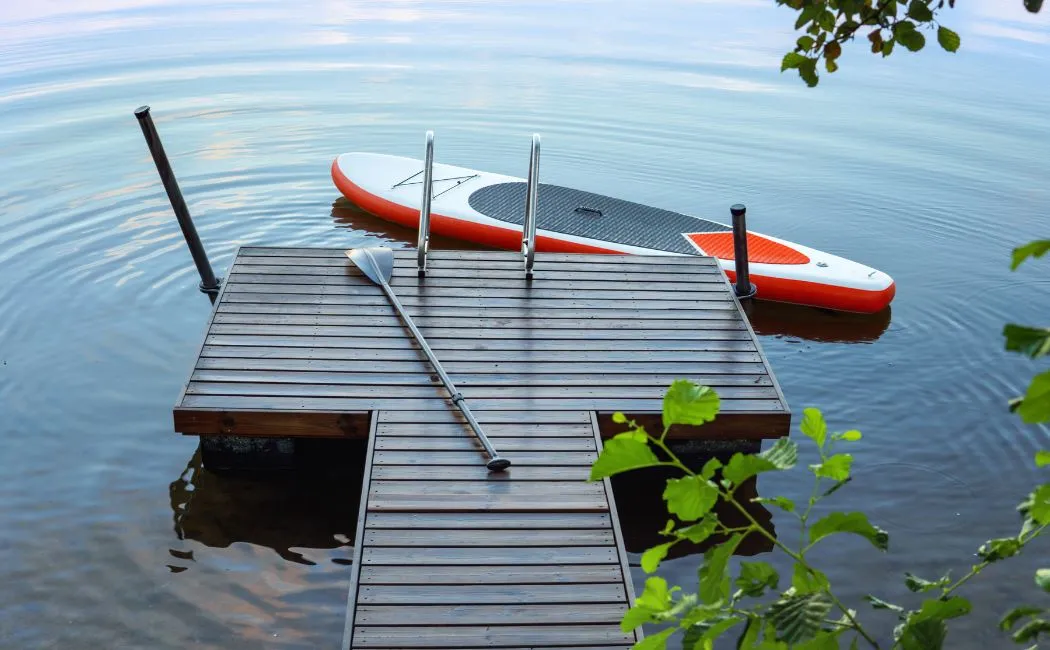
{"x": 301, "y": 343}
{"x": 452, "y": 556}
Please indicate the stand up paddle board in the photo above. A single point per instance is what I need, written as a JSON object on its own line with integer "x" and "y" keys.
{"x": 489, "y": 209}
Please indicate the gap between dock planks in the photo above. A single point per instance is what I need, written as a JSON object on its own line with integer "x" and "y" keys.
{"x": 448, "y": 555}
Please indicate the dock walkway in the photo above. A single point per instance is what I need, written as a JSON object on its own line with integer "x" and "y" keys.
{"x": 448, "y": 555}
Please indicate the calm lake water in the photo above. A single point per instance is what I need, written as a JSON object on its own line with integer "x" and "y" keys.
{"x": 930, "y": 167}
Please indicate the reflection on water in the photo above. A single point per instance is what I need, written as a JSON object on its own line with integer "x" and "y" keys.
{"x": 305, "y": 508}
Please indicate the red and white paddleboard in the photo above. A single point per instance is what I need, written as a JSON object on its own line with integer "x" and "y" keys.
{"x": 489, "y": 209}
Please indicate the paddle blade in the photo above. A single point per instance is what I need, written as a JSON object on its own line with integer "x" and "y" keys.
{"x": 377, "y": 262}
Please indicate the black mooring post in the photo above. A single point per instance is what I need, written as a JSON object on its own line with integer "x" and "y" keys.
{"x": 209, "y": 283}
{"x": 743, "y": 287}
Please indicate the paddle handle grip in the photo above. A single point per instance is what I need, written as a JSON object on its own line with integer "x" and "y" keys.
{"x": 496, "y": 462}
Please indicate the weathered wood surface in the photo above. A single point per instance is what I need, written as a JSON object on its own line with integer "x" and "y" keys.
{"x": 450, "y": 556}
{"x": 301, "y": 343}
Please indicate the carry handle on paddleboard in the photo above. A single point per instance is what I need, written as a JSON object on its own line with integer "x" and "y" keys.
{"x": 528, "y": 231}
{"x": 423, "y": 246}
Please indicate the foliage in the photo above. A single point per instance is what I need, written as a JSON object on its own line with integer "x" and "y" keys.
{"x": 763, "y": 609}
{"x": 828, "y": 25}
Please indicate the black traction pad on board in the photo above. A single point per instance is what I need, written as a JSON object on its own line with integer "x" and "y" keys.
{"x": 594, "y": 216}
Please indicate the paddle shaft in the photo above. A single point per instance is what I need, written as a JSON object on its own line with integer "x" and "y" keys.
{"x": 457, "y": 397}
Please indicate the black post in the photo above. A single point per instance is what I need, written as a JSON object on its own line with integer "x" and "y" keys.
{"x": 743, "y": 288}
{"x": 209, "y": 283}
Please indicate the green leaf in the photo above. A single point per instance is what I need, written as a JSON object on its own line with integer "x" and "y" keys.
{"x": 1016, "y": 614}
{"x": 710, "y": 467}
{"x": 912, "y": 40}
{"x": 807, "y": 581}
{"x": 808, "y": 14}
{"x": 1037, "y": 505}
{"x": 918, "y": 585}
{"x": 1042, "y": 578}
{"x": 878, "y": 603}
{"x": 1036, "y": 248}
{"x": 953, "y": 607}
{"x": 805, "y": 43}
{"x": 823, "y": 641}
{"x": 919, "y": 11}
{"x": 652, "y": 557}
{"x": 850, "y": 436}
{"x": 835, "y": 467}
{"x": 619, "y": 418}
{"x": 690, "y": 497}
{"x": 756, "y": 577}
{"x": 743, "y": 466}
{"x": 703, "y": 635}
{"x": 1031, "y": 341}
{"x": 813, "y": 426}
{"x": 689, "y": 403}
{"x": 636, "y": 616}
{"x": 1035, "y": 407}
{"x": 784, "y": 503}
{"x": 792, "y": 60}
{"x": 1042, "y": 458}
{"x": 923, "y": 634}
{"x": 808, "y": 71}
{"x": 827, "y": 21}
{"x": 623, "y": 453}
{"x": 1031, "y": 631}
{"x": 783, "y": 454}
{"x": 714, "y": 578}
{"x": 656, "y": 596}
{"x": 849, "y": 522}
{"x": 948, "y": 39}
{"x": 799, "y": 617}
{"x": 999, "y": 549}
{"x": 699, "y": 531}
{"x": 656, "y": 641}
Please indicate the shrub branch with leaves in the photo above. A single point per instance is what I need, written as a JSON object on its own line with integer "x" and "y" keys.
{"x": 804, "y": 613}
{"x": 829, "y": 25}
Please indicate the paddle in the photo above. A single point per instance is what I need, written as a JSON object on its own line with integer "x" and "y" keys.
{"x": 377, "y": 264}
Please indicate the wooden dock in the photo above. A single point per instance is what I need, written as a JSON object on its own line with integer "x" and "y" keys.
{"x": 448, "y": 555}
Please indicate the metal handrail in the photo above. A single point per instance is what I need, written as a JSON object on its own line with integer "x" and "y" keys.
{"x": 528, "y": 241}
{"x": 424, "y": 208}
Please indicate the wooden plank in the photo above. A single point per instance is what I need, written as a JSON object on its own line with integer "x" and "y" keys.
{"x": 479, "y": 472}
{"x": 501, "y": 537}
{"x": 407, "y": 256}
{"x": 485, "y": 555}
{"x": 358, "y": 404}
{"x": 474, "y": 356}
{"x": 473, "y": 574}
{"x": 733, "y": 339}
{"x": 456, "y": 430}
{"x": 710, "y": 284}
{"x": 487, "y": 594}
{"x": 262, "y": 336}
{"x": 463, "y": 637}
{"x": 715, "y": 298}
{"x": 450, "y": 269}
{"x": 564, "y": 458}
{"x": 352, "y": 424}
{"x": 403, "y": 416}
{"x": 489, "y": 614}
{"x": 288, "y": 295}
{"x": 515, "y": 499}
{"x": 355, "y": 566}
{"x": 571, "y": 371}
{"x": 734, "y": 427}
{"x": 554, "y": 316}
{"x": 483, "y": 520}
{"x": 438, "y": 391}
{"x": 466, "y": 442}
{"x": 729, "y": 329}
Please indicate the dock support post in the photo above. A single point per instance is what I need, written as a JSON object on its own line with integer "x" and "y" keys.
{"x": 528, "y": 231}
{"x": 209, "y": 283}
{"x": 423, "y": 245}
{"x": 743, "y": 286}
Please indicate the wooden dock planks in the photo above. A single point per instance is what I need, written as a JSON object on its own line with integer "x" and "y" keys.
{"x": 449, "y": 555}
{"x": 301, "y": 344}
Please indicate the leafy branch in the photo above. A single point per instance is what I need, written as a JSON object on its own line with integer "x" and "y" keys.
{"x": 801, "y": 615}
